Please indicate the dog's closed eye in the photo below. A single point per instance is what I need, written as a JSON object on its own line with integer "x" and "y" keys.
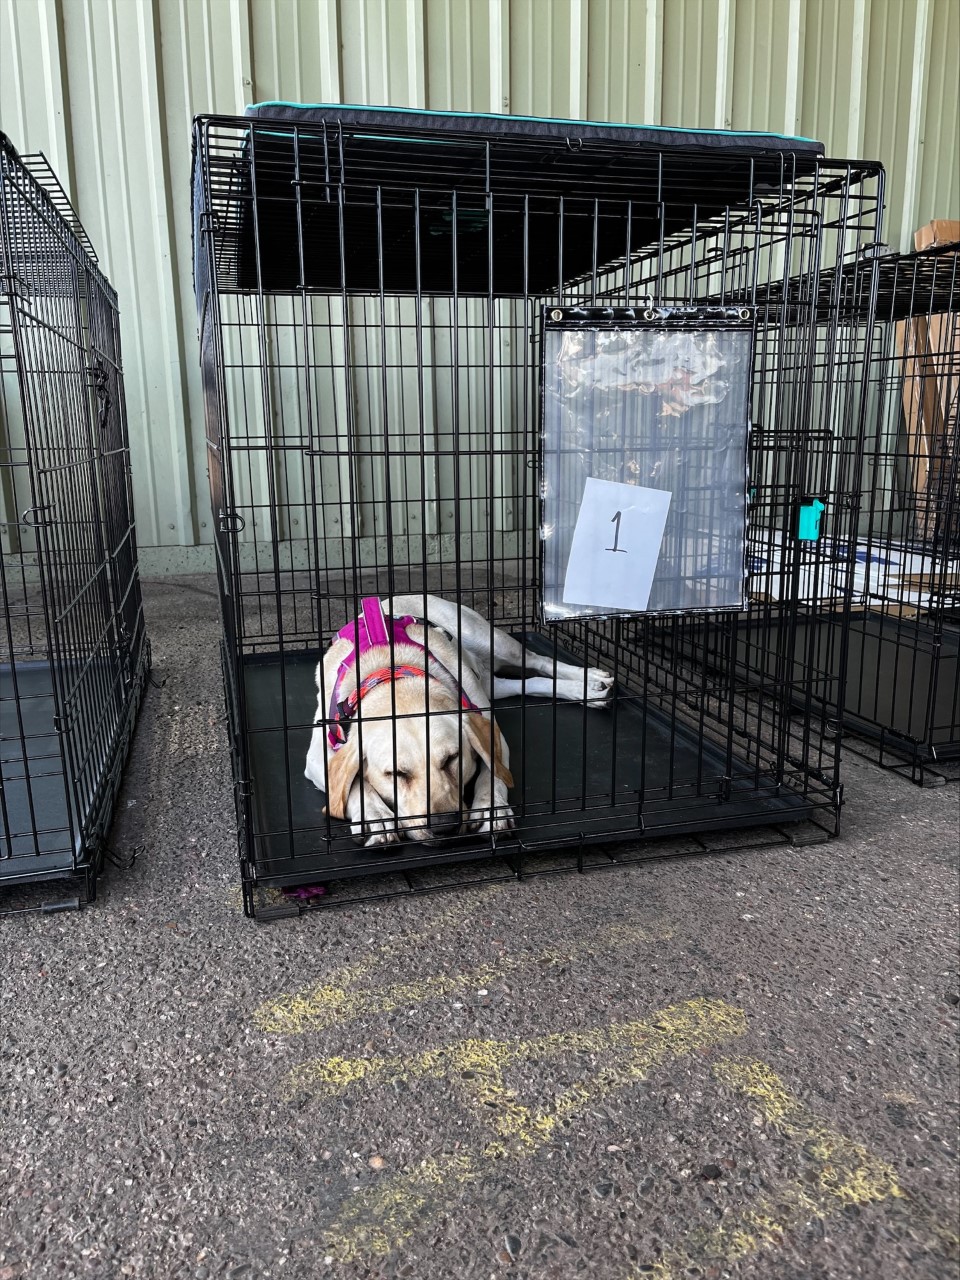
{"x": 400, "y": 774}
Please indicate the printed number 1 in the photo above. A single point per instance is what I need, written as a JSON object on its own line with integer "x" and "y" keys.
{"x": 616, "y": 537}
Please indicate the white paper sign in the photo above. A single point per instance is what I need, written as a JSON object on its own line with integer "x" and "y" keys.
{"x": 616, "y": 545}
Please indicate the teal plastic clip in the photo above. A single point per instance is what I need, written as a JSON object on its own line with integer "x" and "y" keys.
{"x": 808, "y": 521}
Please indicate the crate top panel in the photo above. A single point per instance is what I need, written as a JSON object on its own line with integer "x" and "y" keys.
{"x": 915, "y": 284}
{"x": 907, "y": 286}
{"x": 42, "y": 239}
{"x": 364, "y": 199}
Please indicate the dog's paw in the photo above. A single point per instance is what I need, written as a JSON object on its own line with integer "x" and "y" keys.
{"x": 382, "y": 838}
{"x": 372, "y": 834}
{"x": 599, "y": 685}
{"x": 594, "y": 687}
{"x": 485, "y": 820}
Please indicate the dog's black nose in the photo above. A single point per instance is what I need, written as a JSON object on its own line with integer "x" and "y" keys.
{"x": 444, "y": 823}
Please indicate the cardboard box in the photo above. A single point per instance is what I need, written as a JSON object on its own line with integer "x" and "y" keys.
{"x": 939, "y": 231}
{"x": 929, "y": 351}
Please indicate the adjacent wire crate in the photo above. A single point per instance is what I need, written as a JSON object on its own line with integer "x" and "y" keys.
{"x": 73, "y": 650}
{"x": 903, "y": 687}
{"x": 423, "y": 339}
{"x": 901, "y": 543}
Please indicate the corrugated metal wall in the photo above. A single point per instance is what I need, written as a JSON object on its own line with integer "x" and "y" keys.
{"x": 107, "y": 89}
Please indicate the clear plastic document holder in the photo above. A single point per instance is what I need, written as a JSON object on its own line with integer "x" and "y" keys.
{"x": 645, "y": 429}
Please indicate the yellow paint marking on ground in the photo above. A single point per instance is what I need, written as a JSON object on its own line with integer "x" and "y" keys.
{"x": 692, "y": 1024}
{"x": 326, "y": 1004}
{"x": 846, "y": 1173}
{"x": 637, "y": 1046}
{"x": 759, "y": 1226}
{"x": 378, "y": 1220}
{"x": 850, "y": 1173}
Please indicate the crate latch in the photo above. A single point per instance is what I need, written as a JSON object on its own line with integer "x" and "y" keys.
{"x": 230, "y": 521}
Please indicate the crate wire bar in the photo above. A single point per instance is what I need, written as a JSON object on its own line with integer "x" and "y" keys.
{"x": 373, "y": 291}
{"x": 73, "y": 650}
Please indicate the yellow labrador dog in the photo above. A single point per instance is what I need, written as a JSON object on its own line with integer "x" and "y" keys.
{"x": 404, "y": 726}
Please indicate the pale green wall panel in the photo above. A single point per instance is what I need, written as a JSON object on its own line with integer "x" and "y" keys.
{"x": 295, "y": 49}
{"x": 939, "y": 170}
{"x": 833, "y": 83}
{"x": 382, "y": 52}
{"x": 108, "y": 88}
{"x": 33, "y": 98}
{"x": 124, "y": 194}
{"x": 767, "y": 58}
{"x": 698, "y": 38}
{"x": 205, "y": 51}
{"x": 548, "y": 57}
{"x": 625, "y": 42}
{"x": 467, "y": 55}
{"x": 896, "y": 83}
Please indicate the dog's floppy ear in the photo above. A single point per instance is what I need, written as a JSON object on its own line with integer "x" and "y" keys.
{"x": 480, "y": 731}
{"x": 342, "y": 768}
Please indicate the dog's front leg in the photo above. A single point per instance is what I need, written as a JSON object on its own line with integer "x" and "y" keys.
{"x": 316, "y": 770}
{"x": 371, "y": 818}
{"x": 490, "y": 810}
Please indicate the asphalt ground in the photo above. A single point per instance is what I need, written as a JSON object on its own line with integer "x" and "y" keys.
{"x": 744, "y": 1064}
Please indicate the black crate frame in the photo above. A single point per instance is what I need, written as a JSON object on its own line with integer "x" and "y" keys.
{"x": 656, "y": 240}
{"x": 74, "y": 654}
{"x": 901, "y": 703}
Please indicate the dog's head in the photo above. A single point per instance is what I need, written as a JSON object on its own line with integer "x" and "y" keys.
{"x": 419, "y": 761}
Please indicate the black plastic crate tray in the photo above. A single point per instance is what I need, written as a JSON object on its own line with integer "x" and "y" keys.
{"x": 52, "y": 852}
{"x": 557, "y": 751}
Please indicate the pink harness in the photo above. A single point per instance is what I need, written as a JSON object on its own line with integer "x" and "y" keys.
{"x": 367, "y": 632}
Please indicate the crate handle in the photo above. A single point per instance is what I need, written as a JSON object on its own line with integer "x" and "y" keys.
{"x": 25, "y": 517}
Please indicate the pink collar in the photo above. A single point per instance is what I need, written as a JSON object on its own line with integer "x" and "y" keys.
{"x": 364, "y": 633}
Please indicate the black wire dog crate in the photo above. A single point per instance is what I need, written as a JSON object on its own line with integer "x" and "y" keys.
{"x": 435, "y": 348}
{"x": 73, "y": 651}
{"x": 903, "y": 684}
{"x": 901, "y": 697}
